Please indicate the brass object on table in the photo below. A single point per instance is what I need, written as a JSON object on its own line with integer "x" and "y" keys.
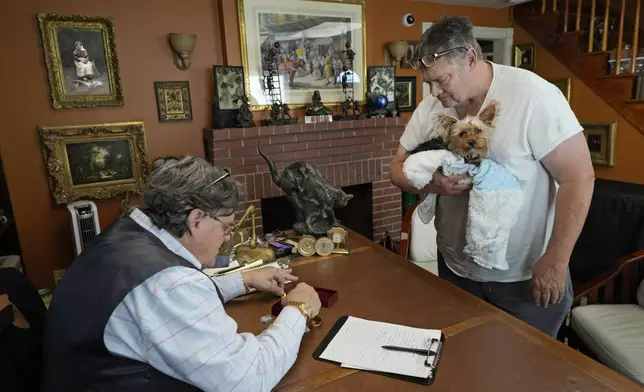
{"x": 340, "y": 238}
{"x": 237, "y": 237}
{"x": 246, "y": 254}
{"x": 324, "y": 246}
{"x": 306, "y": 245}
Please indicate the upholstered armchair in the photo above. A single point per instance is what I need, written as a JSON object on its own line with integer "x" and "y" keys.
{"x": 607, "y": 318}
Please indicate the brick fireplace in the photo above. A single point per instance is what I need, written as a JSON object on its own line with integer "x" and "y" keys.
{"x": 346, "y": 152}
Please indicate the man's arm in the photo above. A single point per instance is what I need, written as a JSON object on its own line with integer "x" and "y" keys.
{"x": 439, "y": 185}
{"x": 570, "y": 166}
{"x": 231, "y": 285}
{"x": 175, "y": 322}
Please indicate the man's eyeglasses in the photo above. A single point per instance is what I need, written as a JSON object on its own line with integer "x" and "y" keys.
{"x": 429, "y": 60}
{"x": 227, "y": 227}
{"x": 226, "y": 174}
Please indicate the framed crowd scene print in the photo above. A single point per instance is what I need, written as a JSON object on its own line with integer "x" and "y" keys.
{"x": 313, "y": 38}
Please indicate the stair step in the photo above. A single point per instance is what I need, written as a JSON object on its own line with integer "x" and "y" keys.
{"x": 634, "y": 101}
{"x": 622, "y": 85}
{"x": 591, "y": 64}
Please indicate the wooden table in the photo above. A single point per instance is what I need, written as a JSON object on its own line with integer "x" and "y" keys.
{"x": 485, "y": 349}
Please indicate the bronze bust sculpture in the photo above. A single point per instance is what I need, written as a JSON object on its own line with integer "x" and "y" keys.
{"x": 317, "y": 108}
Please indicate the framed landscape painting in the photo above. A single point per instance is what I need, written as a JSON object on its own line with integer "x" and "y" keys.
{"x": 313, "y": 36}
{"x": 81, "y": 60}
{"x": 96, "y": 161}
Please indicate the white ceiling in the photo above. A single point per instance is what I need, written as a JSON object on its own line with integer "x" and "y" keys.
{"x": 479, "y": 3}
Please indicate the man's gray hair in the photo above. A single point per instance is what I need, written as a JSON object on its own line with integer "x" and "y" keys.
{"x": 178, "y": 186}
{"x": 449, "y": 32}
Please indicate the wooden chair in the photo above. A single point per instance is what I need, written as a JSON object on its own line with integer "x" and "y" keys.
{"x": 405, "y": 231}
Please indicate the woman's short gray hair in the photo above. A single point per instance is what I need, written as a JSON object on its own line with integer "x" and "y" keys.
{"x": 449, "y": 32}
{"x": 177, "y": 187}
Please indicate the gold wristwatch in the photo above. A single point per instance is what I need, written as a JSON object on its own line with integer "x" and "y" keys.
{"x": 307, "y": 311}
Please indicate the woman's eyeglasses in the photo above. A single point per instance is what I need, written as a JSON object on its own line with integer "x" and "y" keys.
{"x": 226, "y": 174}
{"x": 429, "y": 60}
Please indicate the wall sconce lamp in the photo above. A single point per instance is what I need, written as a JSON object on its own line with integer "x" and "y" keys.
{"x": 398, "y": 49}
{"x": 182, "y": 45}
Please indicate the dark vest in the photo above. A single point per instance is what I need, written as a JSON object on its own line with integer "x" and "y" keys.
{"x": 76, "y": 358}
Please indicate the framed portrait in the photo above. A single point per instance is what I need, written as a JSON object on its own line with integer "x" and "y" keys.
{"x": 173, "y": 101}
{"x": 228, "y": 90}
{"x": 600, "y": 137}
{"x": 406, "y": 93}
{"x": 564, "y": 85}
{"x": 382, "y": 81}
{"x": 96, "y": 161}
{"x": 81, "y": 60}
{"x": 524, "y": 56}
{"x": 313, "y": 35}
{"x": 404, "y": 62}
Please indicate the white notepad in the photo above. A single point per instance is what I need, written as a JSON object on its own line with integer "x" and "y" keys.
{"x": 358, "y": 345}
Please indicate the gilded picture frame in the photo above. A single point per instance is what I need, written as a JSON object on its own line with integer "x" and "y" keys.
{"x": 525, "y": 56}
{"x": 173, "y": 101}
{"x": 97, "y": 161}
{"x": 564, "y": 85}
{"x": 81, "y": 60}
{"x": 312, "y": 36}
{"x": 600, "y": 137}
{"x": 406, "y": 93}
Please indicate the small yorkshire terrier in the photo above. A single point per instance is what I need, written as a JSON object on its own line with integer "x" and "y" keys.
{"x": 470, "y": 137}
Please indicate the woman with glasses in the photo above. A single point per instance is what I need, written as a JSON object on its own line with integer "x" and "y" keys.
{"x": 538, "y": 138}
{"x": 135, "y": 312}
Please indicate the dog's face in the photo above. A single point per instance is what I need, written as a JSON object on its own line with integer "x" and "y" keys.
{"x": 470, "y": 138}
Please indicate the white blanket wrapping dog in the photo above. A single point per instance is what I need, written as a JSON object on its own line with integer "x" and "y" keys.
{"x": 493, "y": 206}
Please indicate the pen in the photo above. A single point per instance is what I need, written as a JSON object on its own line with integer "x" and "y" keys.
{"x": 421, "y": 351}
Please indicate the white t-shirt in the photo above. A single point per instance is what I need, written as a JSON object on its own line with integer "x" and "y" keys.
{"x": 534, "y": 118}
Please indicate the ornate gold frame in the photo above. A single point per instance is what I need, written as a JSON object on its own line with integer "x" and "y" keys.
{"x": 60, "y": 179}
{"x": 610, "y": 128}
{"x": 564, "y": 85}
{"x": 48, "y": 24}
{"x": 518, "y": 51}
{"x": 242, "y": 36}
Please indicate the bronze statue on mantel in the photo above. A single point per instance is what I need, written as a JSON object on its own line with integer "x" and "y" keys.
{"x": 313, "y": 197}
{"x": 245, "y": 116}
{"x": 317, "y": 108}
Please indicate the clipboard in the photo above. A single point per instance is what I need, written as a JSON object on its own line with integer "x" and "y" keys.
{"x": 418, "y": 380}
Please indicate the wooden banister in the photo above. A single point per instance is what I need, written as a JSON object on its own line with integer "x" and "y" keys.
{"x": 636, "y": 30}
{"x": 578, "y": 24}
{"x": 605, "y": 34}
{"x": 566, "y": 11}
{"x": 591, "y": 27}
{"x": 620, "y": 37}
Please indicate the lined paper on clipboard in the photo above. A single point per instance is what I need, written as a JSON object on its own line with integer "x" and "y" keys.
{"x": 358, "y": 345}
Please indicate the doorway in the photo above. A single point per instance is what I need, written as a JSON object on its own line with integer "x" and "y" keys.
{"x": 10, "y": 252}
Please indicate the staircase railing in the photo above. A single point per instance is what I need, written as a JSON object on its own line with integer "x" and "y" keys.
{"x": 602, "y": 11}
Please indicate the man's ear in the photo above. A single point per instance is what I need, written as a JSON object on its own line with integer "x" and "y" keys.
{"x": 445, "y": 125}
{"x": 489, "y": 114}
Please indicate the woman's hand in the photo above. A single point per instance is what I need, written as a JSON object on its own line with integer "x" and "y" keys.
{"x": 268, "y": 279}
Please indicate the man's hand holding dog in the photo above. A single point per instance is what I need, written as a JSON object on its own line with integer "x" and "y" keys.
{"x": 448, "y": 185}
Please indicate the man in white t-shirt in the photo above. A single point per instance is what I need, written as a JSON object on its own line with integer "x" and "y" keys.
{"x": 539, "y": 139}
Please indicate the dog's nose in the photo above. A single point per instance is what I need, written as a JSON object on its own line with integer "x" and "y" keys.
{"x": 472, "y": 143}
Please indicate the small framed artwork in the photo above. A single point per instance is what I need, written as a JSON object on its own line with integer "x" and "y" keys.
{"x": 406, "y": 93}
{"x": 228, "y": 90}
{"x": 381, "y": 81}
{"x": 524, "y": 56}
{"x": 601, "y": 142}
{"x": 173, "y": 101}
{"x": 82, "y": 64}
{"x": 404, "y": 62}
{"x": 564, "y": 85}
{"x": 96, "y": 161}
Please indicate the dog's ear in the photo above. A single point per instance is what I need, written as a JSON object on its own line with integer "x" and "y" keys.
{"x": 489, "y": 114}
{"x": 445, "y": 124}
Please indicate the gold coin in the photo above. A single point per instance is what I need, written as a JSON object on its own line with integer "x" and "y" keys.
{"x": 306, "y": 246}
{"x": 324, "y": 246}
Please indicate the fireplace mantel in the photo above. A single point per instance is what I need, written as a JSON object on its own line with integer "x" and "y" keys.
{"x": 346, "y": 152}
